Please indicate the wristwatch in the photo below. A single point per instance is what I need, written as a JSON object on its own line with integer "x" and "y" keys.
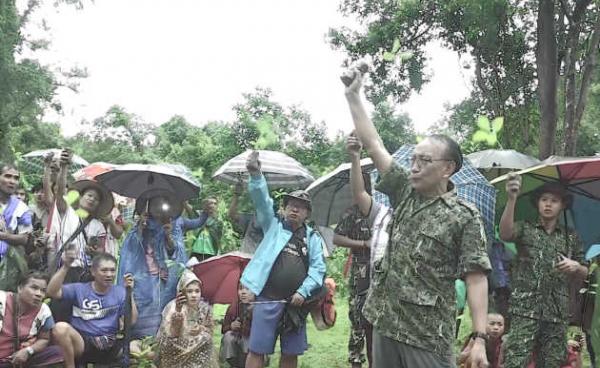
{"x": 30, "y": 350}
{"x": 481, "y": 335}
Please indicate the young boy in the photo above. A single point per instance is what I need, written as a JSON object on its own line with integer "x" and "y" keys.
{"x": 494, "y": 346}
{"x": 547, "y": 254}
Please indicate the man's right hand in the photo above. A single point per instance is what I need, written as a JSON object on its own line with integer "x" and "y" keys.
{"x": 253, "y": 164}
{"x": 352, "y": 78}
{"x": 66, "y": 156}
{"x": 353, "y": 146}
{"x": 69, "y": 257}
{"x": 513, "y": 186}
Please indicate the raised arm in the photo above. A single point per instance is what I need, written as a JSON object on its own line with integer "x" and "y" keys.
{"x": 364, "y": 126}
{"x": 61, "y": 181}
{"x": 507, "y": 222}
{"x": 259, "y": 193}
{"x": 357, "y": 182}
{"x": 56, "y": 282}
{"x": 47, "y": 181}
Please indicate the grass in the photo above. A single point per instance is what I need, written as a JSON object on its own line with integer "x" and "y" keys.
{"x": 327, "y": 349}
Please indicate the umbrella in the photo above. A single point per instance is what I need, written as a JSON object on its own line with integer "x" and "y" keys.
{"x": 580, "y": 176}
{"x": 92, "y": 170}
{"x": 593, "y": 251}
{"x": 493, "y": 162}
{"x": 280, "y": 170}
{"x": 221, "y": 275}
{"x": 470, "y": 185}
{"x": 331, "y": 194}
{"x": 132, "y": 180}
{"x": 33, "y": 162}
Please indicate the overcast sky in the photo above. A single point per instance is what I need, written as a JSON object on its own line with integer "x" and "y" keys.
{"x": 195, "y": 58}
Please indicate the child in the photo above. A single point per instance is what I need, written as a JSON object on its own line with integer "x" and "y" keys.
{"x": 546, "y": 254}
{"x": 494, "y": 346}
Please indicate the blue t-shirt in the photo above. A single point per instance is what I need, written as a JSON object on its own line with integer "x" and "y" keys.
{"x": 95, "y": 314}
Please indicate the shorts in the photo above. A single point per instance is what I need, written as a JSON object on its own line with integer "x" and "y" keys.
{"x": 92, "y": 354}
{"x": 263, "y": 333}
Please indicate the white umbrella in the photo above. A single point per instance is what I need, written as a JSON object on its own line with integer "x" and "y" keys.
{"x": 33, "y": 162}
{"x": 331, "y": 194}
{"x": 132, "y": 180}
{"x": 280, "y": 170}
{"x": 494, "y": 162}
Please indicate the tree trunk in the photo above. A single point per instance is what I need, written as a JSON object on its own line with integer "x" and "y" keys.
{"x": 570, "y": 86}
{"x": 589, "y": 68}
{"x": 547, "y": 76}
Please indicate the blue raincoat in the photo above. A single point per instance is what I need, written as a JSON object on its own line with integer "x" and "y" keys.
{"x": 151, "y": 293}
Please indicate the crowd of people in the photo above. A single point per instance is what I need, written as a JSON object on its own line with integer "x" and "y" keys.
{"x": 110, "y": 278}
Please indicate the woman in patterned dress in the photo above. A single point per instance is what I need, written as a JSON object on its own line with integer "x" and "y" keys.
{"x": 185, "y": 334}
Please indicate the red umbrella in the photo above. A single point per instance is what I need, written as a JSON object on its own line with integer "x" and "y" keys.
{"x": 221, "y": 275}
{"x": 89, "y": 172}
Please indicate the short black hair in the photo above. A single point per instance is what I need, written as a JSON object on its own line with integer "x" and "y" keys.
{"x": 101, "y": 257}
{"x": 452, "y": 150}
{"x": 7, "y": 166}
{"x": 555, "y": 188}
{"x": 37, "y": 187}
{"x": 37, "y": 275}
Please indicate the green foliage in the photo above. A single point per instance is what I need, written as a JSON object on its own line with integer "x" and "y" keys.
{"x": 488, "y": 132}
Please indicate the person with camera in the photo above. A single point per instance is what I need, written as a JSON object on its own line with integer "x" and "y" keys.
{"x": 548, "y": 254}
{"x": 98, "y": 310}
{"x": 185, "y": 336}
{"x": 75, "y": 221}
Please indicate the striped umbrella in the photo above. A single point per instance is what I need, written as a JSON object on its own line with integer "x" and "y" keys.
{"x": 280, "y": 170}
{"x": 580, "y": 176}
{"x": 470, "y": 185}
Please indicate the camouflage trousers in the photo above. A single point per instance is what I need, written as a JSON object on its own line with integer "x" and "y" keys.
{"x": 360, "y": 329}
{"x": 547, "y": 341}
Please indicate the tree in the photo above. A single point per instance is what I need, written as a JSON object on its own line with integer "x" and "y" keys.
{"x": 395, "y": 130}
{"x": 521, "y": 49}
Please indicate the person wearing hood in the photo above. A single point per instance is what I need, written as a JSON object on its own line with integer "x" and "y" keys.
{"x": 185, "y": 334}
{"x": 288, "y": 265}
{"x": 154, "y": 253}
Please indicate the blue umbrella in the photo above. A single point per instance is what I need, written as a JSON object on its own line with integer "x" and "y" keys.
{"x": 470, "y": 185}
{"x": 593, "y": 251}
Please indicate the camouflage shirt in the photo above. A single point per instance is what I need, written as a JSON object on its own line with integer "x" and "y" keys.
{"x": 355, "y": 226}
{"x": 539, "y": 290}
{"x": 432, "y": 243}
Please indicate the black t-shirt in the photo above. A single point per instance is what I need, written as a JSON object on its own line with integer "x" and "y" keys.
{"x": 290, "y": 268}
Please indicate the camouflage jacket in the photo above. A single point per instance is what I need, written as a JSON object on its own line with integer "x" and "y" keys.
{"x": 539, "y": 290}
{"x": 432, "y": 243}
{"x": 355, "y": 226}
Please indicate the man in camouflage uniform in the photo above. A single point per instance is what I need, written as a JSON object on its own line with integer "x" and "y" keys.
{"x": 434, "y": 239}
{"x": 353, "y": 231}
{"x": 547, "y": 254}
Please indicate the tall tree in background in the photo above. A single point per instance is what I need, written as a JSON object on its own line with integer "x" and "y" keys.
{"x": 522, "y": 50}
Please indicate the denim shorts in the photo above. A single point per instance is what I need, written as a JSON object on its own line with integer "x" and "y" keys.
{"x": 263, "y": 333}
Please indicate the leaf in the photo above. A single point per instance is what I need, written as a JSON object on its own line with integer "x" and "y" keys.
{"x": 420, "y": 138}
{"x": 480, "y": 136}
{"x": 72, "y": 197}
{"x": 388, "y": 56}
{"x": 483, "y": 123}
{"x": 396, "y": 46}
{"x": 405, "y": 56}
{"x": 491, "y": 139}
{"x": 497, "y": 124}
{"x": 82, "y": 213}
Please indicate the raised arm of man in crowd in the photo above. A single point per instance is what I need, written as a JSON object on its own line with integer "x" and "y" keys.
{"x": 61, "y": 181}
{"x": 259, "y": 193}
{"x": 47, "y": 181}
{"x": 507, "y": 221}
{"x": 56, "y": 282}
{"x": 234, "y": 215}
{"x": 365, "y": 129}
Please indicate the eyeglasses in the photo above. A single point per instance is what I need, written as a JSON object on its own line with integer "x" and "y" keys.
{"x": 423, "y": 161}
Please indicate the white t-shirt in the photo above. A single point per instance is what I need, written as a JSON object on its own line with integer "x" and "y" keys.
{"x": 62, "y": 227}
{"x": 379, "y": 219}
